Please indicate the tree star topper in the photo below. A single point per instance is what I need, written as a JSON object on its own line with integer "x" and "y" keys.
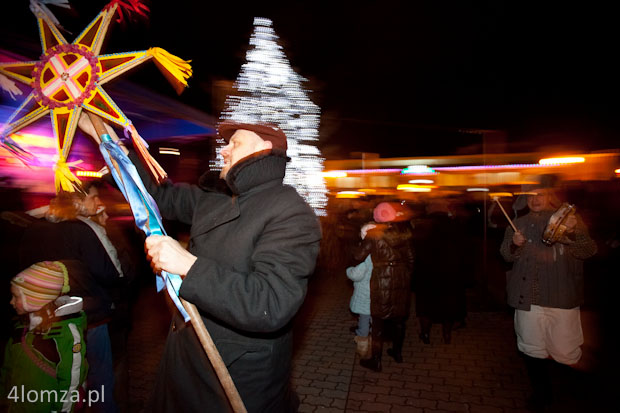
{"x": 68, "y": 79}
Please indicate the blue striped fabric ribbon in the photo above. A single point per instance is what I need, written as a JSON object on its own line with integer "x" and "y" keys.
{"x": 143, "y": 207}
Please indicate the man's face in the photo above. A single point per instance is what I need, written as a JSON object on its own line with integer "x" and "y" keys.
{"x": 242, "y": 143}
{"x": 17, "y": 300}
{"x": 101, "y": 218}
{"x": 539, "y": 201}
{"x": 91, "y": 202}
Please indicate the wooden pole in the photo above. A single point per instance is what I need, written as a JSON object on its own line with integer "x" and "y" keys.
{"x": 505, "y": 214}
{"x": 199, "y": 327}
{"x": 98, "y": 125}
{"x": 215, "y": 358}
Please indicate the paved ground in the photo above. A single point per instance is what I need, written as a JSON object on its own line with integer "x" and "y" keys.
{"x": 479, "y": 372}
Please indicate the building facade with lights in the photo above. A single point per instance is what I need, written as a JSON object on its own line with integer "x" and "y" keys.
{"x": 459, "y": 174}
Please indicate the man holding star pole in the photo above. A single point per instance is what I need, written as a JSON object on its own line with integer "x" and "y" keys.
{"x": 251, "y": 251}
{"x": 252, "y": 248}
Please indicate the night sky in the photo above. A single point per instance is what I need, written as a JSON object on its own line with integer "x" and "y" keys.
{"x": 401, "y": 78}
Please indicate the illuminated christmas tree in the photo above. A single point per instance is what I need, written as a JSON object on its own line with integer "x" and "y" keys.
{"x": 268, "y": 90}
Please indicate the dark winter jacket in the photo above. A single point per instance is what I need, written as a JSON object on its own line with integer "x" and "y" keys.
{"x": 256, "y": 249}
{"x": 392, "y": 258}
{"x": 92, "y": 275}
{"x": 548, "y": 276}
{"x": 439, "y": 274}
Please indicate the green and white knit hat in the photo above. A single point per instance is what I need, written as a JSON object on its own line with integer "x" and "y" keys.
{"x": 41, "y": 283}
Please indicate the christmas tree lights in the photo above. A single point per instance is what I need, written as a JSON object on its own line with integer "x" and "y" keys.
{"x": 270, "y": 91}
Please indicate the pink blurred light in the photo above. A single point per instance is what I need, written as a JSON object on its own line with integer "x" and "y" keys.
{"x": 486, "y": 167}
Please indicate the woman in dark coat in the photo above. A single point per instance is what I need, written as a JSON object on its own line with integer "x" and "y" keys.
{"x": 389, "y": 245}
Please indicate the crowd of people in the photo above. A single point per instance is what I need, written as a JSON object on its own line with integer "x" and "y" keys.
{"x": 398, "y": 256}
{"x": 68, "y": 239}
{"x": 252, "y": 248}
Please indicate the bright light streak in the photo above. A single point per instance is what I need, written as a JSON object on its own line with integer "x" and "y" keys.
{"x": 421, "y": 181}
{"x": 30, "y": 139}
{"x": 89, "y": 174}
{"x": 617, "y": 171}
{"x": 418, "y": 169}
{"x": 169, "y": 151}
{"x": 372, "y": 171}
{"x": 477, "y": 189}
{"x": 415, "y": 188}
{"x": 349, "y": 194}
{"x": 334, "y": 174}
{"x": 486, "y": 167}
{"x": 406, "y": 186}
{"x": 500, "y": 194}
{"x": 562, "y": 160}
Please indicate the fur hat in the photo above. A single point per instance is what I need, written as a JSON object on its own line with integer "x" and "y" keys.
{"x": 41, "y": 283}
{"x": 267, "y": 132}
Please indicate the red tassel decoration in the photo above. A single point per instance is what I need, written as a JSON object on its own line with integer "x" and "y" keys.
{"x": 128, "y": 7}
{"x": 140, "y": 146}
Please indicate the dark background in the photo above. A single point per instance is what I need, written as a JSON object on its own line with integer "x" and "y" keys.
{"x": 401, "y": 78}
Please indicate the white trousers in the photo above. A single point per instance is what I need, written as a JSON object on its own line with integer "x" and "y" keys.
{"x": 556, "y": 332}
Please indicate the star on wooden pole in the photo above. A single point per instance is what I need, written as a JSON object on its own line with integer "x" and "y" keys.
{"x": 68, "y": 78}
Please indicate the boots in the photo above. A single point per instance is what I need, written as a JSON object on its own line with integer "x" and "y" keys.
{"x": 425, "y": 330}
{"x": 364, "y": 349}
{"x": 537, "y": 370}
{"x": 373, "y": 363}
{"x": 376, "y": 345}
{"x": 397, "y": 356}
{"x": 397, "y": 342}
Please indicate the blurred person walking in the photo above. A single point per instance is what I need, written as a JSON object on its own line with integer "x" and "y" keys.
{"x": 439, "y": 274}
{"x": 545, "y": 287}
{"x": 389, "y": 245}
{"x": 125, "y": 260}
{"x": 95, "y": 275}
{"x": 360, "y": 300}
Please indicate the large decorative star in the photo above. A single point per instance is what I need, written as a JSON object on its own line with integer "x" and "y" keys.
{"x": 68, "y": 79}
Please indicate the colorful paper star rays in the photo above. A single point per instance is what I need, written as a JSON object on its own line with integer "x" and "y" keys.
{"x": 68, "y": 79}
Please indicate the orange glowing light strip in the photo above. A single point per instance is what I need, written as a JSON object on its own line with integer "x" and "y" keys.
{"x": 563, "y": 160}
{"x": 349, "y": 194}
{"x": 415, "y": 188}
{"x": 500, "y": 194}
{"x": 334, "y": 174}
